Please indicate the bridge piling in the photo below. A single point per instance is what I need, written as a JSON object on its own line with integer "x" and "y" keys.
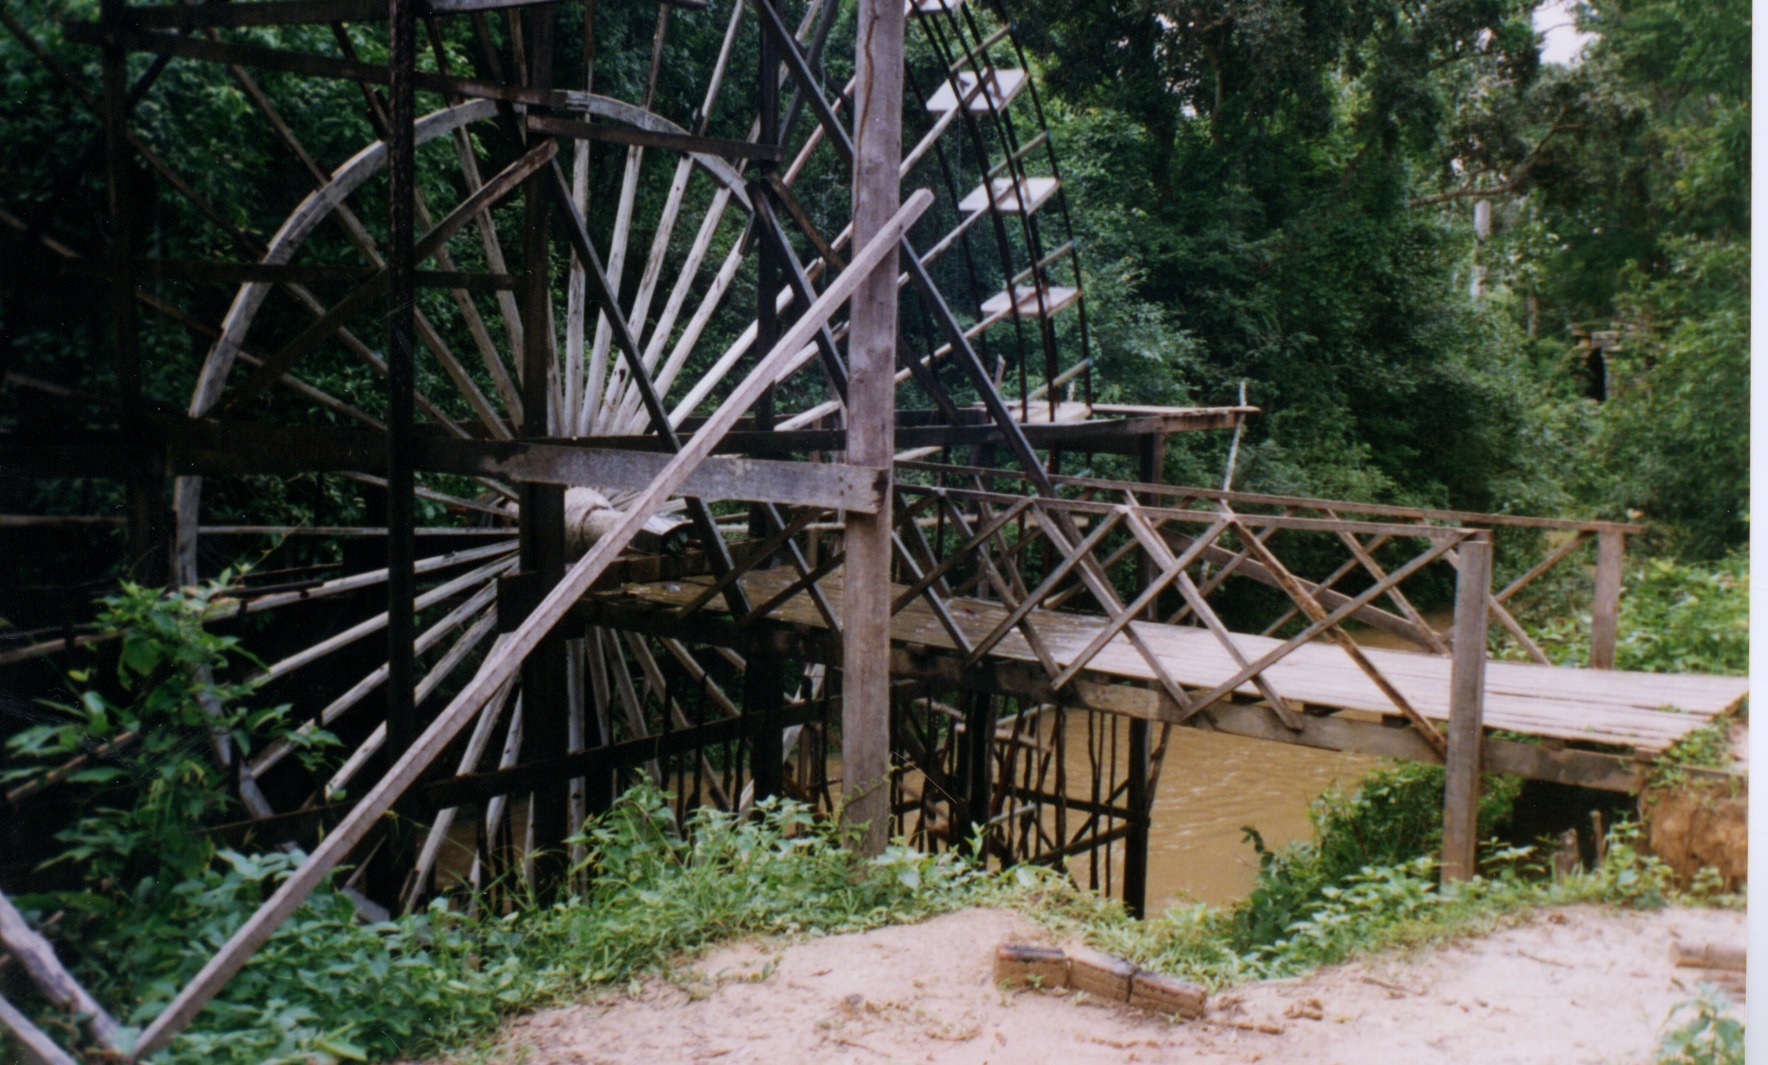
{"x": 1467, "y": 684}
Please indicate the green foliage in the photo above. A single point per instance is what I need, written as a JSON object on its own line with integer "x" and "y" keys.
{"x": 1284, "y": 189}
{"x": 1708, "y": 746}
{"x": 1390, "y": 902}
{"x": 1676, "y": 617}
{"x": 1394, "y": 816}
{"x": 657, "y": 892}
{"x": 1710, "y": 1033}
{"x": 1677, "y": 429}
{"x": 433, "y": 979}
{"x": 150, "y": 780}
{"x": 653, "y": 891}
{"x": 402, "y": 980}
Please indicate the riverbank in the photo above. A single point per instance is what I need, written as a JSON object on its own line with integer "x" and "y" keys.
{"x": 1575, "y": 984}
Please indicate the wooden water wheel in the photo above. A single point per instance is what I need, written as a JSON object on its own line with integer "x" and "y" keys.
{"x": 684, "y": 170}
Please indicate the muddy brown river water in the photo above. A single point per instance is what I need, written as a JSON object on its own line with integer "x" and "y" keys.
{"x": 1211, "y": 787}
{"x": 1214, "y": 785}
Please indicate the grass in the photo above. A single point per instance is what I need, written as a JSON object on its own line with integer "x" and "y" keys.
{"x": 1367, "y": 882}
{"x": 328, "y": 987}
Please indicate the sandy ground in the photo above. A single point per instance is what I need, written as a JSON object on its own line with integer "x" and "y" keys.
{"x": 1578, "y": 985}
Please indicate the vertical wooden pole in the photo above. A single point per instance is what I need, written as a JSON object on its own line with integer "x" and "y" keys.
{"x": 871, "y": 404}
{"x": 1605, "y": 607}
{"x": 978, "y": 753}
{"x": 149, "y": 560}
{"x": 764, "y": 702}
{"x": 402, "y": 723}
{"x": 546, "y": 721}
{"x": 1135, "y": 844}
{"x": 1467, "y": 691}
{"x": 767, "y": 278}
{"x": 1140, "y": 795}
{"x": 764, "y": 676}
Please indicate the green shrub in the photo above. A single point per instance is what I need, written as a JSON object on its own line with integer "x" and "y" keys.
{"x": 1709, "y": 1036}
{"x": 162, "y": 717}
{"x": 1394, "y": 817}
{"x": 1676, "y": 617}
{"x": 1686, "y": 618}
{"x": 330, "y": 986}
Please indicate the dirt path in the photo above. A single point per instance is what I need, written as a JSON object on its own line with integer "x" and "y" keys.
{"x": 1578, "y": 985}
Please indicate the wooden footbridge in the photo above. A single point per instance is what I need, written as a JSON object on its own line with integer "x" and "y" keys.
{"x": 681, "y": 445}
{"x": 1007, "y": 608}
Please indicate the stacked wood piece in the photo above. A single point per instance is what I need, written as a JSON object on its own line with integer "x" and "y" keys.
{"x": 1724, "y": 964}
{"x": 1098, "y": 974}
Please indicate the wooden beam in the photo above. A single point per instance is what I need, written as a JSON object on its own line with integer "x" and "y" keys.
{"x": 207, "y": 448}
{"x": 1605, "y": 606}
{"x": 645, "y": 138}
{"x": 871, "y": 438}
{"x": 818, "y": 484}
{"x": 35, "y": 1048}
{"x": 499, "y": 667}
{"x": 38, "y": 958}
{"x": 1467, "y": 693}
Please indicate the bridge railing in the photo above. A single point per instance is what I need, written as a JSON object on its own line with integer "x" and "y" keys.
{"x": 1106, "y": 555}
{"x": 1532, "y": 548}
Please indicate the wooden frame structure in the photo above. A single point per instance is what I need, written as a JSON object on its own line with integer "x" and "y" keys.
{"x": 700, "y": 542}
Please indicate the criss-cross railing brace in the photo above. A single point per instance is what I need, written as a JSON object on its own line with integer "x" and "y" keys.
{"x": 1163, "y": 557}
{"x": 1318, "y": 615}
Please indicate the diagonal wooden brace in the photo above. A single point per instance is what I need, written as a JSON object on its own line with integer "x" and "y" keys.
{"x": 1317, "y": 613}
{"x": 1431, "y": 638}
{"x": 1163, "y": 556}
{"x": 1042, "y": 592}
{"x": 1171, "y": 570}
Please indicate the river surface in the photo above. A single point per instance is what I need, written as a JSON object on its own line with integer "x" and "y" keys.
{"x": 1211, "y": 788}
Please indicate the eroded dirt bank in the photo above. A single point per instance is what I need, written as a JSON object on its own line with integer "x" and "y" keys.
{"x": 1575, "y": 985}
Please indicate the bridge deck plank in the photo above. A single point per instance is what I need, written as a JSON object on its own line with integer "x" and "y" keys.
{"x": 1647, "y": 712}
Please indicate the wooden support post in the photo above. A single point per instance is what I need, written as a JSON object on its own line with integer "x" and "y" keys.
{"x": 978, "y": 748}
{"x": 767, "y": 260}
{"x": 1141, "y": 796}
{"x": 1141, "y": 803}
{"x": 1467, "y": 691}
{"x": 764, "y": 676}
{"x": 871, "y": 402}
{"x": 764, "y": 704}
{"x": 388, "y": 868}
{"x": 546, "y": 721}
{"x": 149, "y": 557}
{"x": 1605, "y": 607}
